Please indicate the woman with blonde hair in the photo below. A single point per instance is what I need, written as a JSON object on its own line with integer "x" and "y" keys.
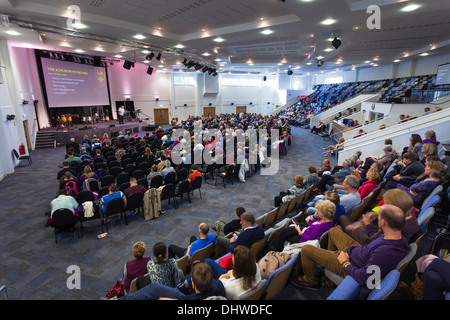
{"x": 321, "y": 221}
{"x": 428, "y": 150}
{"x": 419, "y": 191}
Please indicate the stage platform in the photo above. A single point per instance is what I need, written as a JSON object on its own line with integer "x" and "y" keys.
{"x": 112, "y": 128}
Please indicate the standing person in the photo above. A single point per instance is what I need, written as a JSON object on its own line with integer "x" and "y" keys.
{"x": 121, "y": 114}
{"x": 136, "y": 267}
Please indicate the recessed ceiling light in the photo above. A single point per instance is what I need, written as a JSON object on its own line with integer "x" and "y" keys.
{"x": 397, "y": 60}
{"x": 145, "y": 52}
{"x": 139, "y": 36}
{"x": 328, "y": 49}
{"x": 327, "y": 22}
{"x": 367, "y": 61}
{"x": 79, "y": 25}
{"x": 118, "y": 56}
{"x": 179, "y": 46}
{"x": 79, "y": 50}
{"x": 13, "y": 32}
{"x": 206, "y": 54}
{"x": 424, "y": 54}
{"x": 267, "y": 31}
{"x": 410, "y": 7}
{"x": 219, "y": 39}
{"x": 320, "y": 57}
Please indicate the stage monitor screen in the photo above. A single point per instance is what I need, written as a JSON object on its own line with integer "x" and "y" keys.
{"x": 443, "y": 74}
{"x": 71, "y": 84}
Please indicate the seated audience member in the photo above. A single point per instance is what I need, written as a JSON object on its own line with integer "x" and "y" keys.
{"x": 352, "y": 197}
{"x": 361, "y": 175}
{"x": 114, "y": 193}
{"x": 419, "y": 191}
{"x": 345, "y": 256}
{"x": 88, "y": 174}
{"x": 66, "y": 178}
{"x": 134, "y": 188}
{"x": 318, "y": 223}
{"x": 251, "y": 232}
{"x": 62, "y": 201}
{"x": 291, "y": 193}
{"x": 366, "y": 229}
{"x": 333, "y": 197}
{"x": 85, "y": 155}
{"x": 335, "y": 147}
{"x": 388, "y": 156}
{"x": 222, "y": 228}
{"x": 243, "y": 276}
{"x": 312, "y": 178}
{"x": 373, "y": 177}
{"x": 415, "y": 145}
{"x": 72, "y": 158}
{"x": 205, "y": 239}
{"x": 203, "y": 283}
{"x": 194, "y": 174}
{"x": 153, "y": 173}
{"x": 136, "y": 267}
{"x": 428, "y": 150}
{"x": 326, "y": 167}
{"x": 65, "y": 168}
{"x": 337, "y": 178}
{"x": 160, "y": 269}
{"x": 72, "y": 144}
{"x": 405, "y": 173}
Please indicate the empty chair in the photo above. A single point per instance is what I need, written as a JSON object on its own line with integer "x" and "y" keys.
{"x": 64, "y": 220}
{"x": 170, "y": 178}
{"x": 144, "y": 166}
{"x": 114, "y": 207}
{"x": 143, "y": 182}
{"x": 106, "y": 181}
{"x": 125, "y": 162}
{"x": 183, "y": 188}
{"x": 115, "y": 171}
{"x": 196, "y": 185}
{"x": 182, "y": 175}
{"x": 168, "y": 192}
{"x": 156, "y": 182}
{"x": 135, "y": 202}
{"x": 138, "y": 174}
{"x": 122, "y": 178}
{"x": 124, "y": 186}
{"x": 21, "y": 157}
{"x": 227, "y": 175}
{"x": 114, "y": 163}
{"x": 129, "y": 169}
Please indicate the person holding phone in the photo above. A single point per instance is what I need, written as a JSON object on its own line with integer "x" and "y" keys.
{"x": 316, "y": 227}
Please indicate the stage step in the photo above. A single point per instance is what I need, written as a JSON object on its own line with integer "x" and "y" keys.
{"x": 45, "y": 140}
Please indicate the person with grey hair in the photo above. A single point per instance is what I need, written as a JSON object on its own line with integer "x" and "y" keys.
{"x": 352, "y": 198}
{"x": 328, "y": 181}
{"x": 168, "y": 168}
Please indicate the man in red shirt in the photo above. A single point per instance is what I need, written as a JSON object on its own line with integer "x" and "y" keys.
{"x": 195, "y": 173}
{"x": 134, "y": 188}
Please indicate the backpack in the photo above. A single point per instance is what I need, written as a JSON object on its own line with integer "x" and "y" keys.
{"x": 71, "y": 189}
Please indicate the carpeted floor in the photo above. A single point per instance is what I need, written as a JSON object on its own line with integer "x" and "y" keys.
{"x": 34, "y": 267}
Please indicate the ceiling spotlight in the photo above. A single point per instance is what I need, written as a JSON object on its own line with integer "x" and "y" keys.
{"x": 150, "y": 56}
{"x": 158, "y": 57}
{"x": 336, "y": 43}
{"x": 150, "y": 70}
{"x": 290, "y": 72}
{"x": 319, "y": 62}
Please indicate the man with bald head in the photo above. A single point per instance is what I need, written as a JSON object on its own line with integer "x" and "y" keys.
{"x": 345, "y": 256}
{"x": 205, "y": 238}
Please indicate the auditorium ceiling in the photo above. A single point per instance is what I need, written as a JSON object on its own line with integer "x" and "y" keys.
{"x": 256, "y": 36}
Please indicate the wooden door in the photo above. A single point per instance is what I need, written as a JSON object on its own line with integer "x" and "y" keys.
{"x": 209, "y": 111}
{"x": 27, "y": 134}
{"x": 241, "y": 109}
{"x": 161, "y": 116}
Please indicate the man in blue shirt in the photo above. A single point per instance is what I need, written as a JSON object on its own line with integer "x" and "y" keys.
{"x": 204, "y": 240}
{"x": 113, "y": 194}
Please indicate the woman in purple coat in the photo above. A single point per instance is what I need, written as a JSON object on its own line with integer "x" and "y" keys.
{"x": 322, "y": 222}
